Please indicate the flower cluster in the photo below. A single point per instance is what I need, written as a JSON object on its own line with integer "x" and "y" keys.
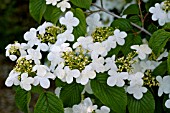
{"x": 161, "y": 12}
{"x": 86, "y": 106}
{"x": 62, "y": 4}
{"x": 81, "y": 60}
{"x": 29, "y": 69}
{"x": 58, "y": 52}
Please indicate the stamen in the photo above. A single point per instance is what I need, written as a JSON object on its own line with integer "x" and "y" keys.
{"x": 102, "y": 33}
{"x": 23, "y": 65}
{"x": 76, "y": 60}
{"x": 51, "y": 34}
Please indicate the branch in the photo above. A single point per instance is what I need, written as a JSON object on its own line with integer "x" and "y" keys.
{"x": 101, "y": 1}
{"x": 117, "y": 16}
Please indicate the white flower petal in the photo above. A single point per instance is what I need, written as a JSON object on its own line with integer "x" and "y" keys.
{"x": 111, "y": 81}
{"x": 45, "y": 83}
{"x": 167, "y": 103}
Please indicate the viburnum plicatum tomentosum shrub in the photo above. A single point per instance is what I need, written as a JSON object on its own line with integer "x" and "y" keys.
{"x": 105, "y": 56}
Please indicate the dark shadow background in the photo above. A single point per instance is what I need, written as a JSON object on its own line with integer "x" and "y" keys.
{"x": 15, "y": 20}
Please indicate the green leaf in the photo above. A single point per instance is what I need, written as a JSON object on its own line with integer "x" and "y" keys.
{"x": 48, "y": 103}
{"x": 161, "y": 69}
{"x": 158, "y": 41}
{"x": 168, "y": 63}
{"x": 132, "y": 9}
{"x": 135, "y": 19}
{"x": 79, "y": 30}
{"x": 152, "y": 28}
{"x": 59, "y": 83}
{"x": 113, "y": 97}
{"x": 131, "y": 39}
{"x": 82, "y": 3}
{"x": 37, "y": 89}
{"x": 52, "y": 14}
{"x": 122, "y": 24}
{"x": 71, "y": 94}
{"x": 114, "y": 51}
{"x": 22, "y": 99}
{"x": 167, "y": 27}
{"x": 144, "y": 105}
{"x": 37, "y": 9}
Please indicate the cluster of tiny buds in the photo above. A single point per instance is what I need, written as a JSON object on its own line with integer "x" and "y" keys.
{"x": 102, "y": 33}
{"x": 24, "y": 65}
{"x": 149, "y": 80}
{"x": 166, "y": 5}
{"x": 51, "y": 34}
{"x": 126, "y": 63}
{"x": 14, "y": 50}
{"x": 76, "y": 60}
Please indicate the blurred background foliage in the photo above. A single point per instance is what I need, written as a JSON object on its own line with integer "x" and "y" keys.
{"x": 15, "y": 20}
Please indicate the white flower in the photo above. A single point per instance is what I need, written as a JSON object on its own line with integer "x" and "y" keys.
{"x": 164, "y": 54}
{"x": 93, "y": 21}
{"x": 70, "y": 74}
{"x": 13, "y": 78}
{"x": 164, "y": 86}
{"x": 43, "y": 46}
{"x": 148, "y": 65}
{"x": 55, "y": 59}
{"x": 167, "y": 103}
{"x": 63, "y": 5}
{"x": 110, "y": 63}
{"x": 136, "y": 90}
{"x": 66, "y": 74}
{"x": 136, "y": 78}
{"x": 34, "y": 55}
{"x": 97, "y": 49}
{"x": 109, "y": 43}
{"x": 159, "y": 14}
{"x": 16, "y": 47}
{"x": 41, "y": 69}
{"x": 55, "y": 56}
{"x": 65, "y": 47}
{"x": 85, "y": 75}
{"x": 43, "y": 76}
{"x": 136, "y": 83}
{"x": 83, "y": 41}
{"x": 98, "y": 65}
{"x": 53, "y": 2}
{"x": 103, "y": 109}
{"x": 57, "y": 91}
{"x": 41, "y": 28}
{"x": 142, "y": 66}
{"x": 117, "y": 78}
{"x": 67, "y": 35}
{"x": 69, "y": 21}
{"x": 26, "y": 81}
{"x": 60, "y": 72}
{"x": 86, "y": 106}
{"x": 31, "y": 37}
{"x": 43, "y": 80}
{"x": 157, "y": 10}
{"x": 119, "y": 36}
{"x": 68, "y": 110}
{"x": 142, "y": 50}
{"x": 136, "y": 67}
{"x": 87, "y": 88}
